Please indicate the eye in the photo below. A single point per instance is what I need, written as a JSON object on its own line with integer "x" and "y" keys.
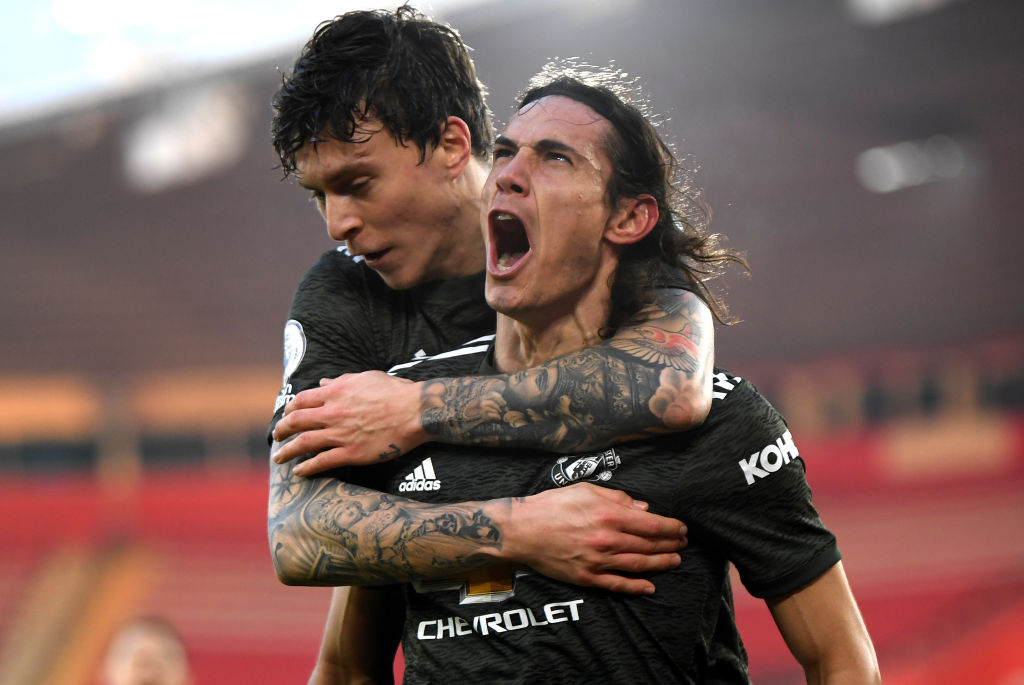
{"x": 558, "y": 156}
{"x": 503, "y": 153}
{"x": 317, "y": 196}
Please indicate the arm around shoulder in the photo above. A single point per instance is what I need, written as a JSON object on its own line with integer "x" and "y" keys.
{"x": 651, "y": 378}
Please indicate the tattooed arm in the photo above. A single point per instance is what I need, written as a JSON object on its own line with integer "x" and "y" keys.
{"x": 650, "y": 378}
{"x": 325, "y": 532}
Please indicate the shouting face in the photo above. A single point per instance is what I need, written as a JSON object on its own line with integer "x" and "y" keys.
{"x": 546, "y": 210}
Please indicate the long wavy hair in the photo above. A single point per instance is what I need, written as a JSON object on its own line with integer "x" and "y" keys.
{"x": 643, "y": 163}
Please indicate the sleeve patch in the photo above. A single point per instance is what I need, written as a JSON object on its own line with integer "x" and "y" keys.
{"x": 294, "y": 348}
{"x": 770, "y": 459}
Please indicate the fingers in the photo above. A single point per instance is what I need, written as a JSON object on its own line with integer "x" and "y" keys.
{"x": 283, "y": 452}
{"x": 611, "y": 494}
{"x": 614, "y": 511}
{"x": 646, "y": 524}
{"x": 644, "y": 563}
{"x": 296, "y": 421}
{"x": 325, "y": 460}
{"x": 313, "y": 397}
{"x": 614, "y": 543}
{"x": 303, "y": 443}
{"x": 631, "y": 563}
{"x": 621, "y": 584}
{"x": 635, "y": 519}
{"x": 636, "y": 563}
{"x": 631, "y": 516}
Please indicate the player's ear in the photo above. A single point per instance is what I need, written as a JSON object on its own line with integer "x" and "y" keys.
{"x": 634, "y": 219}
{"x": 455, "y": 147}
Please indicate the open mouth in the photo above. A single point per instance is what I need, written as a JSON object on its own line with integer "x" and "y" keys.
{"x": 509, "y": 241}
{"x": 373, "y": 257}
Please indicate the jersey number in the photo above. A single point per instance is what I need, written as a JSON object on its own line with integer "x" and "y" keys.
{"x": 491, "y": 584}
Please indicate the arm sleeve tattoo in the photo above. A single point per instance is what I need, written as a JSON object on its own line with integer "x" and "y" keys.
{"x": 326, "y": 532}
{"x": 652, "y": 378}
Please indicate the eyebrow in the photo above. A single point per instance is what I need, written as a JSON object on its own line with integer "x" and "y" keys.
{"x": 343, "y": 175}
{"x": 542, "y": 145}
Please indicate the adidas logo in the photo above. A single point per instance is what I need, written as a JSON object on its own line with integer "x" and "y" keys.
{"x": 421, "y": 479}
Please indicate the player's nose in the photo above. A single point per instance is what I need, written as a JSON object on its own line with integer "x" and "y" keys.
{"x": 343, "y": 221}
{"x": 513, "y": 176}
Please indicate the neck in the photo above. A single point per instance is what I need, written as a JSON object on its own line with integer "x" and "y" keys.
{"x": 518, "y": 346}
{"x": 531, "y": 338}
{"x": 470, "y": 257}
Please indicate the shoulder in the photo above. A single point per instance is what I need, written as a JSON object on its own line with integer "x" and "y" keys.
{"x": 329, "y": 330}
{"x": 751, "y": 428}
{"x": 335, "y": 285}
{"x": 736, "y": 394}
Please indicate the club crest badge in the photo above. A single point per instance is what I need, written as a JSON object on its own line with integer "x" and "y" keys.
{"x": 588, "y": 467}
{"x": 294, "y": 348}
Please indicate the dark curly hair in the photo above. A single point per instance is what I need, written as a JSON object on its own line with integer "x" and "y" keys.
{"x": 402, "y": 68}
{"x": 643, "y": 163}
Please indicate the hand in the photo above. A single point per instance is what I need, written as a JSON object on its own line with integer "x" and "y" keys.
{"x": 582, "y": 533}
{"x": 360, "y": 418}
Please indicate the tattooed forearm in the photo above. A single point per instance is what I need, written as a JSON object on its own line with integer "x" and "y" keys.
{"x": 649, "y": 379}
{"x": 325, "y": 532}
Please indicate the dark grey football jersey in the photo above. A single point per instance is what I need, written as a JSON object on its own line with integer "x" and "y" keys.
{"x": 345, "y": 319}
{"x": 737, "y": 481}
